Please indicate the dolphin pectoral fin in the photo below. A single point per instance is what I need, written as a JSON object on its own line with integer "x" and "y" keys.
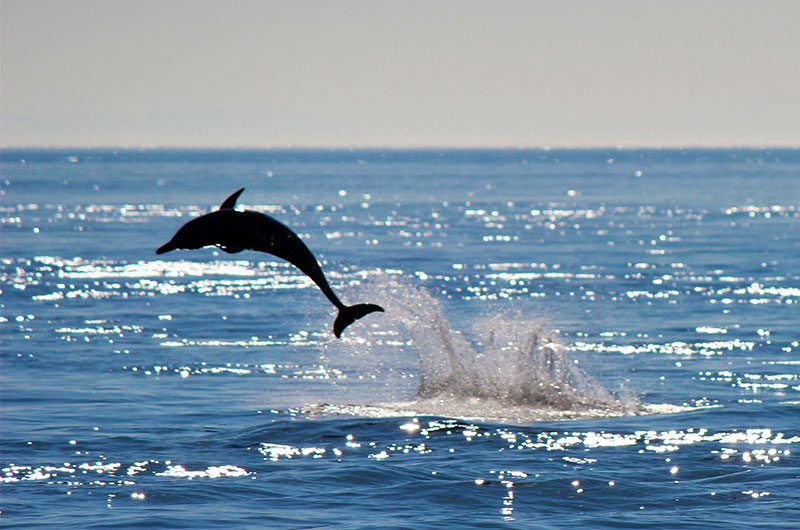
{"x": 230, "y": 250}
{"x": 230, "y": 202}
{"x": 349, "y": 314}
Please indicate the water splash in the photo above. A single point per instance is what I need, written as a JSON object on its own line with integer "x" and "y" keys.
{"x": 506, "y": 365}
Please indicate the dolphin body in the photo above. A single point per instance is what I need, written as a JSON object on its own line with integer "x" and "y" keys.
{"x": 234, "y": 231}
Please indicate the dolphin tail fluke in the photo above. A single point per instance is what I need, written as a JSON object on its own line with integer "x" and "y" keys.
{"x": 349, "y": 314}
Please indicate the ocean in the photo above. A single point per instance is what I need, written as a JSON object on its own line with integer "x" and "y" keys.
{"x": 601, "y": 338}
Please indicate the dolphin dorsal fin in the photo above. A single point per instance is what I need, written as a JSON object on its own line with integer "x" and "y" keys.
{"x": 230, "y": 202}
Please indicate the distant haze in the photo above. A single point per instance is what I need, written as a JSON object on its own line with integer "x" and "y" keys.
{"x": 244, "y": 73}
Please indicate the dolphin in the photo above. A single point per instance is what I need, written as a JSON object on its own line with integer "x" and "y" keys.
{"x": 234, "y": 231}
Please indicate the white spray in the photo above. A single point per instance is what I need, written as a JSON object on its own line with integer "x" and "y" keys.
{"x": 510, "y": 362}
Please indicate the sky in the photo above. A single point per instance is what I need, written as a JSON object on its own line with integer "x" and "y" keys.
{"x": 262, "y": 73}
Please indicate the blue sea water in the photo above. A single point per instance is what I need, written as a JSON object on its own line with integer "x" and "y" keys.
{"x": 572, "y": 338}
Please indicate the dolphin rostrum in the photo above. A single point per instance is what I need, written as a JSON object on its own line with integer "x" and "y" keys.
{"x": 235, "y": 231}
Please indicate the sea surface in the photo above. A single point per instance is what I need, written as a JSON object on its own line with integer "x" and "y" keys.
{"x": 602, "y": 338}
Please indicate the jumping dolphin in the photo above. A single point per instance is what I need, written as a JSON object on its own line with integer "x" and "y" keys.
{"x": 234, "y": 231}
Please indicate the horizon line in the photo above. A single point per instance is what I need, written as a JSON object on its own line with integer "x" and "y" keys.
{"x": 398, "y": 147}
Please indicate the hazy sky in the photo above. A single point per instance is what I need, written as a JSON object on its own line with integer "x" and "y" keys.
{"x": 411, "y": 73}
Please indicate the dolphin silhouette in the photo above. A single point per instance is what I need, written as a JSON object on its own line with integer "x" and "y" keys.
{"x": 234, "y": 231}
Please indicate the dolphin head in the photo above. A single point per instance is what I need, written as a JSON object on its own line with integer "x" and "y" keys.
{"x": 166, "y": 247}
{"x": 188, "y": 237}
